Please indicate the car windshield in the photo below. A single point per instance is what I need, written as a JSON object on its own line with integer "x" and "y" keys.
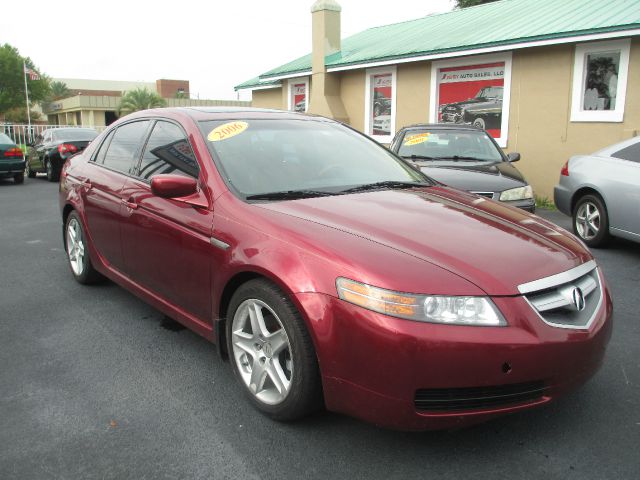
{"x": 4, "y": 139}
{"x": 76, "y": 134}
{"x": 449, "y": 145}
{"x": 312, "y": 156}
{"x": 490, "y": 92}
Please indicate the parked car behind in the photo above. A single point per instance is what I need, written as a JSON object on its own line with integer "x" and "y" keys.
{"x": 332, "y": 272}
{"x": 467, "y": 158}
{"x": 11, "y": 159}
{"x": 601, "y": 192}
{"x": 53, "y": 147}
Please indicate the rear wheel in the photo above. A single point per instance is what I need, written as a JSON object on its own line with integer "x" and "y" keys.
{"x": 52, "y": 174}
{"x": 78, "y": 253}
{"x": 271, "y": 352}
{"x": 18, "y": 178}
{"x": 590, "y": 221}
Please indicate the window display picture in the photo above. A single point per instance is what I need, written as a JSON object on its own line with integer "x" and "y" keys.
{"x": 299, "y": 97}
{"x": 381, "y": 104}
{"x": 472, "y": 95}
{"x": 601, "y": 80}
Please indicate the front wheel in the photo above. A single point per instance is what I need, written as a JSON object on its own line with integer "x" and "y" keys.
{"x": 590, "y": 221}
{"x": 271, "y": 352}
{"x": 479, "y": 123}
{"x": 78, "y": 252}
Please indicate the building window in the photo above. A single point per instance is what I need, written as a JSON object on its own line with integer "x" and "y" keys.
{"x": 380, "y": 104}
{"x": 600, "y": 81}
{"x": 298, "y": 95}
{"x": 473, "y": 91}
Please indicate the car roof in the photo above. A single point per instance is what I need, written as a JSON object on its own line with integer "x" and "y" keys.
{"x": 611, "y": 149}
{"x": 441, "y": 126}
{"x": 223, "y": 113}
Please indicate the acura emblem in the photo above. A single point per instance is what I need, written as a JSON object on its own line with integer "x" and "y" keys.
{"x": 578, "y": 299}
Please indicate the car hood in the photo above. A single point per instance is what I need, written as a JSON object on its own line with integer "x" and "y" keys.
{"x": 487, "y": 177}
{"x": 494, "y": 246}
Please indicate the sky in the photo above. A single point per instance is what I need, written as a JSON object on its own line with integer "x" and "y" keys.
{"x": 214, "y": 44}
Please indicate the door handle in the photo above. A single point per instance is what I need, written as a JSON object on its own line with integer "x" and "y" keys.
{"x": 130, "y": 203}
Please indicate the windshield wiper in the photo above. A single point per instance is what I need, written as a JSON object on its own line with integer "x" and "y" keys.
{"x": 385, "y": 184}
{"x": 289, "y": 195}
{"x": 419, "y": 157}
{"x": 461, "y": 157}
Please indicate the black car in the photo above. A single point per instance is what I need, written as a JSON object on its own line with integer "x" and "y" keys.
{"x": 53, "y": 147}
{"x": 467, "y": 158}
{"x": 482, "y": 111}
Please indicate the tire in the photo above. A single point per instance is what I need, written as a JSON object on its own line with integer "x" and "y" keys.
{"x": 52, "y": 174}
{"x": 276, "y": 367}
{"x": 480, "y": 123}
{"x": 75, "y": 245}
{"x": 28, "y": 172}
{"x": 591, "y": 221}
{"x": 18, "y": 178}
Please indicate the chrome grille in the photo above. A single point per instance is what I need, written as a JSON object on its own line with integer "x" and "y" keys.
{"x": 568, "y": 300}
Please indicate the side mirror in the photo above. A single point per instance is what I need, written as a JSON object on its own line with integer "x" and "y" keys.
{"x": 173, "y": 186}
{"x": 513, "y": 157}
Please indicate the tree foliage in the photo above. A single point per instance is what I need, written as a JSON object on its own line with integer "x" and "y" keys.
{"x": 471, "y": 3}
{"x": 12, "y": 95}
{"x": 139, "y": 99}
{"x": 59, "y": 90}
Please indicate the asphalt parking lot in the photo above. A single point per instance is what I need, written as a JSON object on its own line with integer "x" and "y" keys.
{"x": 96, "y": 384}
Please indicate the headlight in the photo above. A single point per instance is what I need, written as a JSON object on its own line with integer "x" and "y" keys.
{"x": 519, "y": 193}
{"x": 476, "y": 311}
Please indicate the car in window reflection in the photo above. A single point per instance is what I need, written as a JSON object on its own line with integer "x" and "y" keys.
{"x": 332, "y": 273}
{"x": 482, "y": 111}
{"x": 601, "y": 192}
{"x": 467, "y": 158}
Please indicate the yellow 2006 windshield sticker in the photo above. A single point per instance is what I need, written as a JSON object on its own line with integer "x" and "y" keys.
{"x": 227, "y": 130}
{"x": 416, "y": 139}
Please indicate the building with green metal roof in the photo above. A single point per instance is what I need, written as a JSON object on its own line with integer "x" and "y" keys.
{"x": 564, "y": 75}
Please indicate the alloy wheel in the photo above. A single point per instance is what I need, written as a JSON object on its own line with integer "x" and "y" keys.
{"x": 262, "y": 351}
{"x": 75, "y": 247}
{"x": 588, "y": 221}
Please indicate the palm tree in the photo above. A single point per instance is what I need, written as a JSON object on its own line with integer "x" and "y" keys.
{"x": 139, "y": 99}
{"x": 59, "y": 91}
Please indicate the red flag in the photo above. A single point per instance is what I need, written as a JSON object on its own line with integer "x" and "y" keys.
{"x": 33, "y": 75}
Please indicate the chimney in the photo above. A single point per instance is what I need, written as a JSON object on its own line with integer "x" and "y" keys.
{"x": 325, "y": 87}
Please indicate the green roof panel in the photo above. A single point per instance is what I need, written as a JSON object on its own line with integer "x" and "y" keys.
{"x": 505, "y": 22}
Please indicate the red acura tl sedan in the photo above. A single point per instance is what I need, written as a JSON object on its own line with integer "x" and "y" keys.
{"x": 332, "y": 273}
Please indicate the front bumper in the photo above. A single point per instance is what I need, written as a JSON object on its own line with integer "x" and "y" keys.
{"x": 373, "y": 365}
{"x": 528, "y": 204}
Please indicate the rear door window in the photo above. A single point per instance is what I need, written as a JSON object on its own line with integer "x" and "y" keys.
{"x": 123, "y": 150}
{"x": 632, "y": 153}
{"x": 168, "y": 151}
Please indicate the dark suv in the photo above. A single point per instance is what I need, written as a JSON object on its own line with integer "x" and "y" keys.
{"x": 482, "y": 111}
{"x": 53, "y": 147}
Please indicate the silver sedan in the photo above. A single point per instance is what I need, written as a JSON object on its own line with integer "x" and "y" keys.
{"x": 601, "y": 192}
